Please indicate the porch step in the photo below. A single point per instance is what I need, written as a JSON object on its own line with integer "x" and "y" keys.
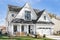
{"x": 20, "y": 34}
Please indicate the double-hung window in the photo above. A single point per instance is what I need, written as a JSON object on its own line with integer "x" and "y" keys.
{"x": 28, "y": 15}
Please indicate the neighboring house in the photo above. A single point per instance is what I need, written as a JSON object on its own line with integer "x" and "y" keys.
{"x": 26, "y": 20}
{"x": 56, "y": 22}
{"x": 3, "y": 29}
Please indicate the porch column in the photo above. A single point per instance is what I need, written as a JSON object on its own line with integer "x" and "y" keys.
{"x": 34, "y": 29}
{"x": 20, "y": 27}
{"x": 11, "y": 29}
{"x": 27, "y": 29}
{"x": 51, "y": 31}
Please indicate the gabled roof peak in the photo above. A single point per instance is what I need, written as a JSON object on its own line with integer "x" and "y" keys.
{"x": 45, "y": 10}
{"x": 26, "y": 4}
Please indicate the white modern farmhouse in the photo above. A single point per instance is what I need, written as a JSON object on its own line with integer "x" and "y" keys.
{"x": 26, "y": 20}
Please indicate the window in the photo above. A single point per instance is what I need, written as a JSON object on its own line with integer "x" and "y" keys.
{"x": 12, "y": 15}
{"x": 27, "y": 15}
{"x": 44, "y": 28}
{"x": 44, "y": 17}
{"x": 22, "y": 28}
{"x": 15, "y": 28}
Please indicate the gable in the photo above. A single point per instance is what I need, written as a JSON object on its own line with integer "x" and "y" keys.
{"x": 27, "y": 7}
{"x": 44, "y": 17}
{"x": 39, "y": 16}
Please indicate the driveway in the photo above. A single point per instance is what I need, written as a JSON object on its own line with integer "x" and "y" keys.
{"x": 53, "y": 37}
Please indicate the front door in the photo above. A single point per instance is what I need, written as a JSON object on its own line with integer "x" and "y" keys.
{"x": 29, "y": 29}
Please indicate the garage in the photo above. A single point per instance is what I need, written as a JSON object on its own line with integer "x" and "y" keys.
{"x": 46, "y": 31}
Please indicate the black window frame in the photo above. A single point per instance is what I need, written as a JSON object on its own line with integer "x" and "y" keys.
{"x": 44, "y": 17}
{"x": 15, "y": 28}
{"x": 12, "y": 15}
{"x": 28, "y": 15}
{"x": 22, "y": 28}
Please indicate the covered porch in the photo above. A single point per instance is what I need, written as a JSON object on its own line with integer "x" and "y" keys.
{"x": 22, "y": 29}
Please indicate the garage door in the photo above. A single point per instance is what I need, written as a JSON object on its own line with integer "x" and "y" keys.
{"x": 44, "y": 31}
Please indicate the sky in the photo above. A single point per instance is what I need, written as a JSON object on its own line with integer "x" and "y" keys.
{"x": 52, "y": 6}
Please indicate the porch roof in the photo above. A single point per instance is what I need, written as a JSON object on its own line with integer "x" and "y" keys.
{"x": 30, "y": 22}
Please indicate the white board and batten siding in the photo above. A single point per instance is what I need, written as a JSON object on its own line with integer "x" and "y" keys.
{"x": 45, "y": 13}
{"x": 44, "y": 29}
{"x": 27, "y": 7}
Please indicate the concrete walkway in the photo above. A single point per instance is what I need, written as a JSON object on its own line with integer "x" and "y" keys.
{"x": 53, "y": 37}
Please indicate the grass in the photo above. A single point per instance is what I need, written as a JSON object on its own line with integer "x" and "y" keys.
{"x": 22, "y": 38}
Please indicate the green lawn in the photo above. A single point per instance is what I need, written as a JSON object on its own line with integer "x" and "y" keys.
{"x": 21, "y": 38}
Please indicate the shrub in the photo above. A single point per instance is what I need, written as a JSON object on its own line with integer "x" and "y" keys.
{"x": 35, "y": 36}
{"x": 27, "y": 34}
{"x": 44, "y": 36}
{"x": 38, "y": 36}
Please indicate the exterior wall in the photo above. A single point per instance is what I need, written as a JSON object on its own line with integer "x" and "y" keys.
{"x": 27, "y": 7}
{"x": 9, "y": 17}
{"x": 10, "y": 29}
{"x": 44, "y": 31}
{"x": 42, "y": 17}
{"x": 6, "y": 24}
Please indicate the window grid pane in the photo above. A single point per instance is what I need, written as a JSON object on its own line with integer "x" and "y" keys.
{"x": 27, "y": 15}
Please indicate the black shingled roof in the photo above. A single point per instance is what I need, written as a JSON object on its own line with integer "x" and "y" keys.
{"x": 14, "y": 8}
{"x": 29, "y": 22}
{"x": 17, "y": 9}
